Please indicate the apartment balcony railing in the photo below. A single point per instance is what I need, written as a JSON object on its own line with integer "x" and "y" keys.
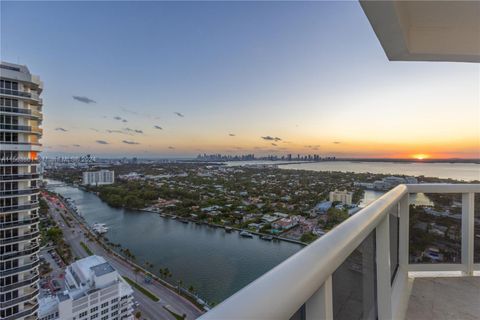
{"x": 20, "y": 222}
{"x": 26, "y": 251}
{"x": 33, "y": 264}
{"x": 21, "y": 143}
{"x": 19, "y": 192}
{"x": 32, "y": 205}
{"x": 19, "y": 176}
{"x": 24, "y": 237}
{"x": 23, "y": 313}
{"x": 22, "y": 112}
{"x": 22, "y": 94}
{"x": 8, "y": 161}
{"x": 21, "y": 128}
{"x": 22, "y": 298}
{"x": 372, "y": 245}
{"x": 20, "y": 284}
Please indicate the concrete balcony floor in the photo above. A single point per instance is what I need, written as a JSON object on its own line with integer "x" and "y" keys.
{"x": 445, "y": 298}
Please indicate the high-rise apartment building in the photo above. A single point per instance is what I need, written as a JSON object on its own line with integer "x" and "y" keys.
{"x": 98, "y": 177}
{"x": 20, "y": 119}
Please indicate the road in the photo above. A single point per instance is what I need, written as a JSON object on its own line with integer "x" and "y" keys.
{"x": 150, "y": 309}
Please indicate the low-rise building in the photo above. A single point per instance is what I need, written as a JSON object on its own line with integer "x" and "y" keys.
{"x": 284, "y": 224}
{"x": 321, "y": 208}
{"x": 93, "y": 290}
{"x": 100, "y": 177}
{"x": 344, "y": 196}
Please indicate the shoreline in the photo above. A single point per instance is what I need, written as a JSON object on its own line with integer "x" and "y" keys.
{"x": 214, "y": 225}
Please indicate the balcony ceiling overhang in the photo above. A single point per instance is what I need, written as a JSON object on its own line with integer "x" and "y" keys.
{"x": 426, "y": 30}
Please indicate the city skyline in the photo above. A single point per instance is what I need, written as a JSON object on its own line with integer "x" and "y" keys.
{"x": 179, "y": 79}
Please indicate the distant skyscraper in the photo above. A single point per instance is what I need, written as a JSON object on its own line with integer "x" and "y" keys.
{"x": 20, "y": 118}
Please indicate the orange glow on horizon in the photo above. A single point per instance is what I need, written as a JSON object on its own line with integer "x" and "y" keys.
{"x": 420, "y": 156}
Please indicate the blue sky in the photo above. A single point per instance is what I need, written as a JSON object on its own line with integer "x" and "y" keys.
{"x": 312, "y": 73}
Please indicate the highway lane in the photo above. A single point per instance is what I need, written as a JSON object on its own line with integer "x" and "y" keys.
{"x": 149, "y": 308}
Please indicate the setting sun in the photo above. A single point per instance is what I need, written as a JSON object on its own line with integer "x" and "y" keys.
{"x": 420, "y": 156}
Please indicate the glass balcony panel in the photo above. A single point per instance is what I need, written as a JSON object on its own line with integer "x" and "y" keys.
{"x": 300, "y": 314}
{"x": 476, "y": 231}
{"x": 394, "y": 222}
{"x": 354, "y": 284}
{"x": 435, "y": 229}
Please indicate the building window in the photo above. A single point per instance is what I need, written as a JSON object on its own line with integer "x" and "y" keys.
{"x": 104, "y": 305}
{"x": 93, "y": 309}
{"x": 82, "y": 314}
{"x": 93, "y": 316}
{"x": 104, "y": 311}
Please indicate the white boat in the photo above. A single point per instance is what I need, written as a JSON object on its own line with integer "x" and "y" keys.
{"x": 100, "y": 228}
{"x": 246, "y": 234}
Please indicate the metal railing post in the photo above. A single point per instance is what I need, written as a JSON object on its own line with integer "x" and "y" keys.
{"x": 468, "y": 232}
{"x": 320, "y": 304}
{"x": 384, "y": 288}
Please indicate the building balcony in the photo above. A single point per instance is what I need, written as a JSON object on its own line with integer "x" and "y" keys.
{"x": 20, "y": 207}
{"x": 365, "y": 269}
{"x": 34, "y": 262}
{"x": 19, "y": 192}
{"x": 18, "y": 223}
{"x": 25, "y": 252}
{"x": 33, "y": 279}
{"x": 27, "y": 313}
{"x": 21, "y": 128}
{"x": 21, "y": 112}
{"x": 29, "y": 96}
{"x": 19, "y": 176}
{"x": 20, "y": 146}
{"x": 25, "y": 297}
{"x": 18, "y": 161}
{"x": 25, "y": 237}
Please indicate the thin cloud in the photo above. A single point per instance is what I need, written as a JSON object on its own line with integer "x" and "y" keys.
{"x": 336, "y": 142}
{"x": 179, "y": 114}
{"x": 170, "y": 147}
{"x": 76, "y": 145}
{"x": 270, "y": 138}
{"x": 231, "y": 134}
{"x": 120, "y": 119}
{"x": 84, "y": 99}
{"x": 115, "y": 131}
{"x": 61, "y": 129}
{"x": 130, "y": 142}
{"x": 101, "y": 142}
{"x": 133, "y": 130}
{"x": 129, "y": 111}
{"x": 93, "y": 129}
{"x": 158, "y": 127}
{"x": 274, "y": 144}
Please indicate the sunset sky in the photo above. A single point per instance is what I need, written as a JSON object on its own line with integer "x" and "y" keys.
{"x": 239, "y": 75}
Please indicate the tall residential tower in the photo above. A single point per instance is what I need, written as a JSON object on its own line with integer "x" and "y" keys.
{"x": 20, "y": 132}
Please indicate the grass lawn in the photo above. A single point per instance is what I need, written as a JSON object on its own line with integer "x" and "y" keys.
{"x": 86, "y": 248}
{"x": 176, "y": 315}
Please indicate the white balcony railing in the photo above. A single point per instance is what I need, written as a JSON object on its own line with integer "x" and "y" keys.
{"x": 301, "y": 286}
